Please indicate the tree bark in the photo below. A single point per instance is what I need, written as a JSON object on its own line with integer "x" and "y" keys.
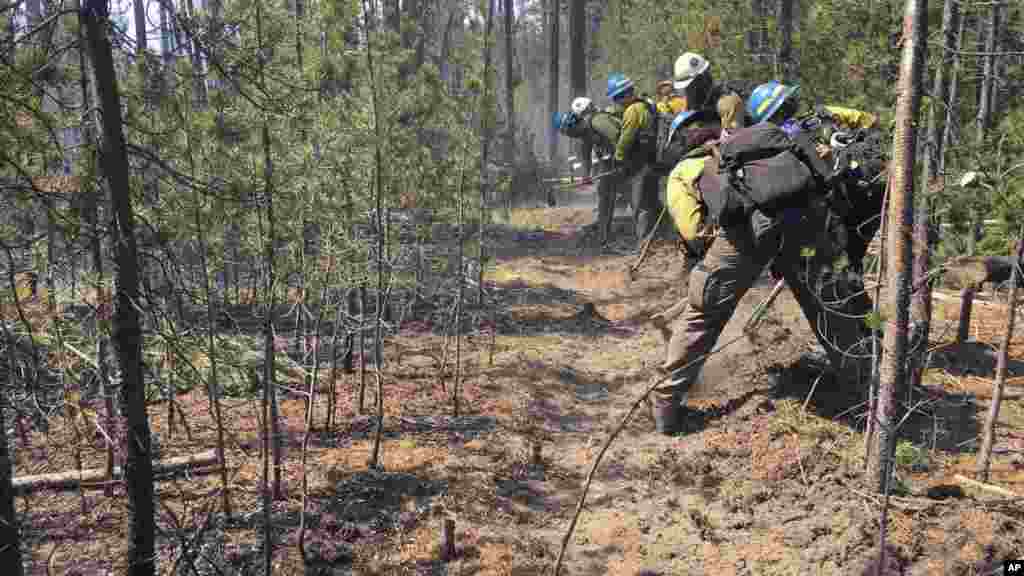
{"x": 988, "y": 440}
{"x": 128, "y": 334}
{"x": 921, "y": 303}
{"x": 785, "y": 53}
{"x": 374, "y": 461}
{"x": 269, "y": 401}
{"x": 140, "y": 29}
{"x": 984, "y": 117}
{"x": 553, "y": 52}
{"x": 444, "y": 64}
{"x": 940, "y": 96}
{"x": 202, "y": 462}
{"x": 10, "y": 551}
{"x": 901, "y": 218}
{"x": 510, "y": 94}
{"x": 486, "y": 132}
{"x": 578, "y": 66}
{"x": 950, "y": 126}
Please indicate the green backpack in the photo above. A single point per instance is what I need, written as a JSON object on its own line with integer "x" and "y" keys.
{"x": 601, "y": 126}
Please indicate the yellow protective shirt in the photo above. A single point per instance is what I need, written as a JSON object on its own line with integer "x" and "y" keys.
{"x": 684, "y": 201}
{"x": 635, "y": 118}
{"x": 672, "y": 105}
{"x": 852, "y": 118}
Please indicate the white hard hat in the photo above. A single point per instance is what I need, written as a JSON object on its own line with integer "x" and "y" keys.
{"x": 688, "y": 66}
{"x": 581, "y": 105}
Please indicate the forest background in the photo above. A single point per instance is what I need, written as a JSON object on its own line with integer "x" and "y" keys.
{"x": 270, "y": 150}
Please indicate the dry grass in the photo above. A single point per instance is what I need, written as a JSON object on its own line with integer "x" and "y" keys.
{"x": 549, "y": 219}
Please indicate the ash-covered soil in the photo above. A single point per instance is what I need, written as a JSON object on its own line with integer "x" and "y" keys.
{"x": 760, "y": 486}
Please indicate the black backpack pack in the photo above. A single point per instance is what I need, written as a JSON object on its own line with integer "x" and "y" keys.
{"x": 857, "y": 192}
{"x": 648, "y": 138}
{"x": 762, "y": 167}
{"x": 674, "y": 145}
{"x": 661, "y": 129}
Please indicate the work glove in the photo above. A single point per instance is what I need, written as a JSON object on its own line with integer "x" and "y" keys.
{"x": 822, "y": 112}
{"x": 840, "y": 140}
{"x": 621, "y": 169}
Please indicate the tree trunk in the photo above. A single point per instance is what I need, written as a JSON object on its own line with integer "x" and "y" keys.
{"x": 901, "y": 218}
{"x": 90, "y": 128}
{"x": 941, "y": 91}
{"x": 393, "y": 13}
{"x": 578, "y": 66}
{"x": 988, "y": 440}
{"x": 921, "y": 303}
{"x": 486, "y": 132}
{"x": 444, "y": 64}
{"x": 950, "y": 128}
{"x": 785, "y": 53}
{"x": 128, "y": 335}
{"x": 993, "y": 47}
{"x": 198, "y": 82}
{"x": 553, "y": 42}
{"x": 983, "y": 119}
{"x": 756, "y": 33}
{"x": 269, "y": 401}
{"x": 140, "y": 29}
{"x": 510, "y": 88}
{"x": 361, "y": 401}
{"x": 379, "y": 195}
{"x": 213, "y": 382}
{"x": 10, "y": 551}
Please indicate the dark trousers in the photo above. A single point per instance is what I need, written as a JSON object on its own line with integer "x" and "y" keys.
{"x": 734, "y": 262}
{"x": 646, "y": 203}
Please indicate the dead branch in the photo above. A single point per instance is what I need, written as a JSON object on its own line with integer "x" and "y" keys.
{"x": 198, "y": 463}
{"x": 986, "y": 487}
{"x": 647, "y": 244}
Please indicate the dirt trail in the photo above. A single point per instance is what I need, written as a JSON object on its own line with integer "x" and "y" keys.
{"x": 758, "y": 487}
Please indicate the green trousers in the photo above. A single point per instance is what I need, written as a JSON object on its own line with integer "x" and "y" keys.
{"x": 736, "y": 259}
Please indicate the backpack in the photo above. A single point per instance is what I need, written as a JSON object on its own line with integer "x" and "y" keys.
{"x": 584, "y": 128}
{"x": 687, "y": 131}
{"x": 663, "y": 127}
{"x": 602, "y": 141}
{"x": 647, "y": 138}
{"x": 858, "y": 191}
{"x": 762, "y": 167}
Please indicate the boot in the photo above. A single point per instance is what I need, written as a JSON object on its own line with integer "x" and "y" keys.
{"x": 668, "y": 416}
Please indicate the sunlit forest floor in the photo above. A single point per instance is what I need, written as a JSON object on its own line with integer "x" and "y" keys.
{"x": 759, "y": 486}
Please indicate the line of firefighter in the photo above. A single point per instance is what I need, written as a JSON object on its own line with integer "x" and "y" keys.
{"x": 725, "y": 258}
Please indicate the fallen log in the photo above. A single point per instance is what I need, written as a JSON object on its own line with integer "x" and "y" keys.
{"x": 986, "y": 487}
{"x": 202, "y": 462}
{"x": 983, "y": 300}
{"x": 974, "y": 271}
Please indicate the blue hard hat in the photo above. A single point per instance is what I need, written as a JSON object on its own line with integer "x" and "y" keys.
{"x": 767, "y": 98}
{"x": 681, "y": 118}
{"x": 679, "y": 121}
{"x": 556, "y": 120}
{"x": 618, "y": 85}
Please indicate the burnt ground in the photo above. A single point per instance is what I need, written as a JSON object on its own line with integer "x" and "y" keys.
{"x": 760, "y": 486}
